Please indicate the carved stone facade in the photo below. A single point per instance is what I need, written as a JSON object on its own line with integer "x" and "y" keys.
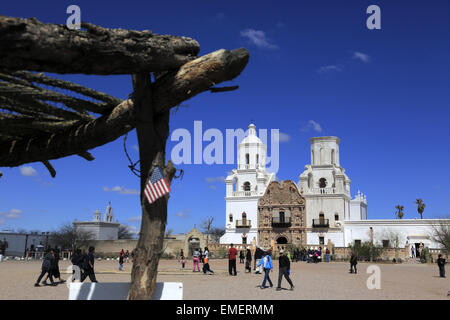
{"x": 281, "y": 215}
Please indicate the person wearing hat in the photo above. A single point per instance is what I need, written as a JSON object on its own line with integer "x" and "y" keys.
{"x": 284, "y": 267}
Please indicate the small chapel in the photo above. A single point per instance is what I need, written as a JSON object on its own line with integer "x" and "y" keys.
{"x": 105, "y": 229}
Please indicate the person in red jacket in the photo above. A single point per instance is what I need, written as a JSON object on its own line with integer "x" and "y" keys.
{"x": 232, "y": 252}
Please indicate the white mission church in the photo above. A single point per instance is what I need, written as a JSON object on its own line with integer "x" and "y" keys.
{"x": 330, "y": 213}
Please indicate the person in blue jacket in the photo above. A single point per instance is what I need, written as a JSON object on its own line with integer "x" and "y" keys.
{"x": 266, "y": 262}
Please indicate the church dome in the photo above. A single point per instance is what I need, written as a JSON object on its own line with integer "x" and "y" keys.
{"x": 251, "y": 137}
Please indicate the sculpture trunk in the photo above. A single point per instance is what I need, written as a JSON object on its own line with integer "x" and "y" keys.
{"x": 152, "y": 131}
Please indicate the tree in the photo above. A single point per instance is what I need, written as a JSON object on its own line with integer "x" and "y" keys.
{"x": 168, "y": 232}
{"x": 39, "y": 124}
{"x": 216, "y": 233}
{"x": 206, "y": 226}
{"x": 441, "y": 234}
{"x": 420, "y": 207}
{"x": 399, "y": 213}
{"x": 69, "y": 237}
{"x": 125, "y": 232}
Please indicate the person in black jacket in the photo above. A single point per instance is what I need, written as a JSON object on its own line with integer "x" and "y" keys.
{"x": 284, "y": 270}
{"x": 88, "y": 266}
{"x": 258, "y": 256}
{"x": 353, "y": 262}
{"x": 248, "y": 261}
{"x": 441, "y": 264}
{"x": 77, "y": 262}
{"x": 46, "y": 268}
{"x": 55, "y": 267}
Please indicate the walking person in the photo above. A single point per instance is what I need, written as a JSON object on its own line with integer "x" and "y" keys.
{"x": 183, "y": 262}
{"x": 121, "y": 256}
{"x": 353, "y": 262}
{"x": 77, "y": 260}
{"x": 55, "y": 267}
{"x": 327, "y": 255}
{"x": 232, "y": 253}
{"x": 195, "y": 259}
{"x": 88, "y": 266}
{"x": 259, "y": 253}
{"x": 284, "y": 270}
{"x": 133, "y": 254}
{"x": 241, "y": 256}
{"x": 206, "y": 267}
{"x": 441, "y": 264}
{"x": 127, "y": 255}
{"x": 46, "y": 269}
{"x": 248, "y": 261}
{"x": 206, "y": 253}
{"x": 266, "y": 262}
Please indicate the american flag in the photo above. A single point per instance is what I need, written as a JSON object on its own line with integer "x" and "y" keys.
{"x": 157, "y": 186}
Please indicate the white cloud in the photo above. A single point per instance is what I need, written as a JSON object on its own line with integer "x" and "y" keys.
{"x": 135, "y": 219}
{"x": 312, "y": 125}
{"x": 258, "y": 38}
{"x": 121, "y": 190}
{"x": 12, "y": 214}
{"x": 2, "y": 221}
{"x": 28, "y": 171}
{"x": 284, "y": 137}
{"x": 361, "y": 56}
{"x": 330, "y": 68}
{"x": 215, "y": 179}
{"x": 213, "y": 187}
{"x": 183, "y": 214}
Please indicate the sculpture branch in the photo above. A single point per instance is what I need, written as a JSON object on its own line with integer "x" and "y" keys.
{"x": 168, "y": 91}
{"x": 31, "y": 45}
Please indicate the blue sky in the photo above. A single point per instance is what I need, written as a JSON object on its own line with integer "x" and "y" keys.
{"x": 384, "y": 93}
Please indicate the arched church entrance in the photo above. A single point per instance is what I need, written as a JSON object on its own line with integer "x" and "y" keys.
{"x": 194, "y": 243}
{"x": 282, "y": 240}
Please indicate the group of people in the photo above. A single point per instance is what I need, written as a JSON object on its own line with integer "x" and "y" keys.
{"x": 50, "y": 268}
{"x": 198, "y": 256}
{"x": 125, "y": 256}
{"x": 82, "y": 262}
{"x": 262, "y": 263}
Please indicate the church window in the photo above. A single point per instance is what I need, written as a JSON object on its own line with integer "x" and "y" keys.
{"x": 336, "y": 217}
{"x": 332, "y": 156}
{"x": 244, "y": 240}
{"x": 247, "y": 186}
{"x": 247, "y": 158}
{"x": 244, "y": 216}
{"x": 257, "y": 158}
{"x": 322, "y": 183}
{"x": 231, "y": 217}
{"x": 385, "y": 243}
{"x": 322, "y": 240}
{"x": 282, "y": 215}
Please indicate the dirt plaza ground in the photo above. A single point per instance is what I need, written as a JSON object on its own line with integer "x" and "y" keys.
{"x": 312, "y": 281}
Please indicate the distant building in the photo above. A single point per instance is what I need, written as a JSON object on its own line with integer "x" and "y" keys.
{"x": 101, "y": 230}
{"x": 16, "y": 244}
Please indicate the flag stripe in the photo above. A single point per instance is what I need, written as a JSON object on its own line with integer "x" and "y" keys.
{"x": 157, "y": 186}
{"x": 149, "y": 190}
{"x": 147, "y": 195}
